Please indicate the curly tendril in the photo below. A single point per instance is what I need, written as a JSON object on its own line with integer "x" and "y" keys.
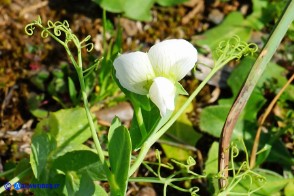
{"x": 232, "y": 49}
{"x": 242, "y": 173}
{"x": 88, "y": 46}
{"x": 29, "y": 29}
{"x": 178, "y": 176}
{"x": 234, "y": 151}
{"x": 56, "y": 30}
{"x": 194, "y": 190}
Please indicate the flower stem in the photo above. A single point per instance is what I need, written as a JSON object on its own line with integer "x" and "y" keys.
{"x": 88, "y": 113}
{"x": 144, "y": 150}
{"x": 79, "y": 69}
{"x": 107, "y": 171}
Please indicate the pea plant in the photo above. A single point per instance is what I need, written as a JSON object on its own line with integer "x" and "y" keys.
{"x": 150, "y": 81}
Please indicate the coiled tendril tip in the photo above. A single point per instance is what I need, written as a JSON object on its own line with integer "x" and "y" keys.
{"x": 233, "y": 49}
{"x": 56, "y": 30}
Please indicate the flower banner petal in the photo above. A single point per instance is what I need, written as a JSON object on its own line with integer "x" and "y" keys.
{"x": 162, "y": 93}
{"x": 134, "y": 72}
{"x": 172, "y": 58}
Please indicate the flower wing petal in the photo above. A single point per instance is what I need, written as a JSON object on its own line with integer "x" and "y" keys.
{"x": 162, "y": 93}
{"x": 134, "y": 71}
{"x": 172, "y": 58}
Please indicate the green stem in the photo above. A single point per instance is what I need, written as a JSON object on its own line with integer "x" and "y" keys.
{"x": 153, "y": 138}
{"x": 7, "y": 172}
{"x": 79, "y": 69}
{"x": 89, "y": 116}
{"x": 16, "y": 179}
{"x": 144, "y": 149}
{"x": 162, "y": 180}
{"x": 100, "y": 152}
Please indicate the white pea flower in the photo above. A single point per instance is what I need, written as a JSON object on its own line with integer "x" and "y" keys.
{"x": 156, "y": 72}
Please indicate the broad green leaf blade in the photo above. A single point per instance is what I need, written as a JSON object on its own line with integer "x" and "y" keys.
{"x": 289, "y": 189}
{"x": 212, "y": 160}
{"x": 119, "y": 157}
{"x": 99, "y": 190}
{"x": 80, "y": 161}
{"x": 135, "y": 134}
{"x": 79, "y": 184}
{"x": 69, "y": 148}
{"x": 211, "y": 168}
{"x": 137, "y": 10}
{"x": 134, "y": 9}
{"x": 86, "y": 186}
{"x": 67, "y": 126}
{"x": 42, "y": 145}
{"x": 114, "y": 125}
{"x": 115, "y": 6}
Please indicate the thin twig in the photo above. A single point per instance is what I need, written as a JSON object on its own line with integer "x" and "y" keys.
{"x": 253, "y": 77}
{"x": 263, "y": 118}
